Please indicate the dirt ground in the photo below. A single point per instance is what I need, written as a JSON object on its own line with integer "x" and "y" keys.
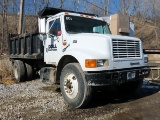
{"x": 39, "y": 101}
{"x": 110, "y": 106}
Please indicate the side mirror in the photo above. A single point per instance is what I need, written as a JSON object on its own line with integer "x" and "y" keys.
{"x": 43, "y": 37}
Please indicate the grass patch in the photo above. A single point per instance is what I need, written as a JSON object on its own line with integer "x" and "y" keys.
{"x": 6, "y": 71}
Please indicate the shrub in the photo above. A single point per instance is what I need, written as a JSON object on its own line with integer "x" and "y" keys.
{"x": 6, "y": 71}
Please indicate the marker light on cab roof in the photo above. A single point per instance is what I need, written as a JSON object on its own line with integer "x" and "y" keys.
{"x": 66, "y": 13}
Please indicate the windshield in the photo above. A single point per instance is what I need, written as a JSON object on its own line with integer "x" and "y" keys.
{"x": 75, "y": 24}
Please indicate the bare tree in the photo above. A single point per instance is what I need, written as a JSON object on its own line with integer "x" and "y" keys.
{"x": 61, "y": 3}
{"x": 76, "y": 4}
{"x": 4, "y": 26}
{"x": 106, "y": 4}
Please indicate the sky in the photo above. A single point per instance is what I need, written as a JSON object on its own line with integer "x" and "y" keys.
{"x": 68, "y": 4}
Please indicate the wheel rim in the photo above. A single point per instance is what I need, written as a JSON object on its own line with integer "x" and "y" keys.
{"x": 71, "y": 85}
{"x": 16, "y": 72}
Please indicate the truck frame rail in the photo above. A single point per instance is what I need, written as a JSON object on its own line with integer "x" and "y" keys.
{"x": 151, "y": 51}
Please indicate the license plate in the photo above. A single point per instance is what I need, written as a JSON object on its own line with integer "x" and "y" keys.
{"x": 131, "y": 75}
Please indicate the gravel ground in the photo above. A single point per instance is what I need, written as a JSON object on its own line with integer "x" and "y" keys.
{"x": 29, "y": 100}
{"x": 34, "y": 100}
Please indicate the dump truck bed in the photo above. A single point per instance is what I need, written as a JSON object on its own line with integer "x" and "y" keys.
{"x": 26, "y": 46}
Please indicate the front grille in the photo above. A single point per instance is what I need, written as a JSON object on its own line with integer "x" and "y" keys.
{"x": 126, "y": 49}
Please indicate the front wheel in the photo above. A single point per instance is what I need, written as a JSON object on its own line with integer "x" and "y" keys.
{"x": 74, "y": 88}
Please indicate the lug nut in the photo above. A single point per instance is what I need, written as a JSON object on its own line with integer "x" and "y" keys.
{"x": 74, "y": 78}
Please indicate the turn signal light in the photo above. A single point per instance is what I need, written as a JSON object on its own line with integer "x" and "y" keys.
{"x": 90, "y": 63}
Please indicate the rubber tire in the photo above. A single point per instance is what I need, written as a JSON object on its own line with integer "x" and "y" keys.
{"x": 29, "y": 71}
{"x": 20, "y": 70}
{"x": 84, "y": 91}
{"x": 130, "y": 88}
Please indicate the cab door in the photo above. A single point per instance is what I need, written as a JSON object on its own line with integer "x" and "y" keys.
{"x": 53, "y": 46}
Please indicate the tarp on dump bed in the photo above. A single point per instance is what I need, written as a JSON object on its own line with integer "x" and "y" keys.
{"x": 52, "y": 11}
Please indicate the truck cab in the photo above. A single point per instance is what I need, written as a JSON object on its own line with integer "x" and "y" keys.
{"x": 77, "y": 36}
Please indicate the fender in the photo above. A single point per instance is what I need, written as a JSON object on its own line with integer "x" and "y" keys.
{"x": 82, "y": 55}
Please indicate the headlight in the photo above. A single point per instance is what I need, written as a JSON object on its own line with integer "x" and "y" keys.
{"x": 101, "y": 63}
{"x": 96, "y": 63}
{"x": 145, "y": 59}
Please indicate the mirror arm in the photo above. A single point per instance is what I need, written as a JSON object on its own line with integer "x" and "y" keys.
{"x": 51, "y": 35}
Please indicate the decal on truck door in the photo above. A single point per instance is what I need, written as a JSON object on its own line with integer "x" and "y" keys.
{"x": 65, "y": 48}
{"x": 52, "y": 46}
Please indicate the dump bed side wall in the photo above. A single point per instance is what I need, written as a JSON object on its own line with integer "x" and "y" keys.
{"x": 27, "y": 46}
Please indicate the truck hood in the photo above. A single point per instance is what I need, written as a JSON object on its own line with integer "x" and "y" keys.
{"x": 95, "y": 45}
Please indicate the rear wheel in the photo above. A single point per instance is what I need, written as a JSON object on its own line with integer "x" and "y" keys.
{"x": 130, "y": 88}
{"x": 18, "y": 71}
{"x": 29, "y": 71}
{"x": 73, "y": 86}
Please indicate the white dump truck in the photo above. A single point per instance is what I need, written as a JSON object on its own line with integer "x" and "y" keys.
{"x": 78, "y": 51}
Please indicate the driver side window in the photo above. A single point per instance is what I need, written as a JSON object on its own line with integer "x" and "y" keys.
{"x": 54, "y": 27}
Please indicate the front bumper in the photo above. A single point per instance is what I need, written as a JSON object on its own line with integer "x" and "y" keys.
{"x": 115, "y": 77}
